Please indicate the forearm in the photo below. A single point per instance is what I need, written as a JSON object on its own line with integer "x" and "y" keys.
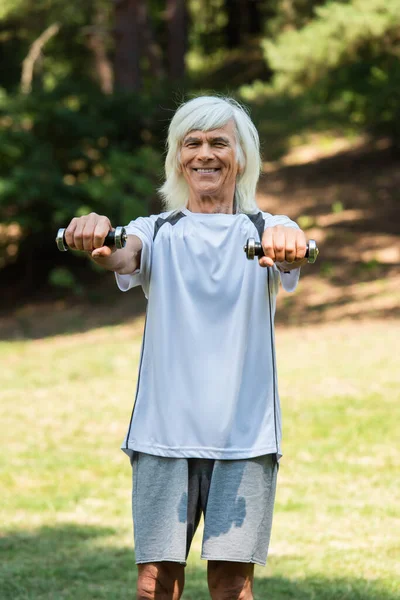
{"x": 114, "y": 262}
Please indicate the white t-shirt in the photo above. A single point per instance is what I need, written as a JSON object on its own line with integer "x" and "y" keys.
{"x": 207, "y": 384}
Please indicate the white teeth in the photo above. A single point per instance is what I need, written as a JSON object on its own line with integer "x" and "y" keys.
{"x": 206, "y": 170}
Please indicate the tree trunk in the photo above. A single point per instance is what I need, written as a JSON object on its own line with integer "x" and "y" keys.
{"x": 233, "y": 26}
{"x": 151, "y": 49}
{"x": 97, "y": 36}
{"x": 177, "y": 29}
{"x": 127, "y": 46}
{"x": 255, "y": 17}
{"x": 243, "y": 19}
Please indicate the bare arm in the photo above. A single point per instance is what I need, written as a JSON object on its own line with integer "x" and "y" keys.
{"x": 87, "y": 234}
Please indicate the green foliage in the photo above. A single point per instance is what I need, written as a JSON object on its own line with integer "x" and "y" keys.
{"x": 347, "y": 54}
{"x": 337, "y": 207}
{"x": 60, "y": 153}
{"x": 208, "y": 20}
{"x": 70, "y": 152}
{"x": 8, "y": 8}
{"x": 289, "y": 15}
{"x": 62, "y": 277}
{"x": 128, "y": 182}
{"x": 339, "y": 34}
{"x": 65, "y": 54}
{"x": 67, "y": 148}
{"x": 305, "y": 222}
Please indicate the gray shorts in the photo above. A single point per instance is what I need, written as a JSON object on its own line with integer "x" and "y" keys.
{"x": 236, "y": 497}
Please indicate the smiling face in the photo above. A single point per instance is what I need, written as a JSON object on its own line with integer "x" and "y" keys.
{"x": 209, "y": 164}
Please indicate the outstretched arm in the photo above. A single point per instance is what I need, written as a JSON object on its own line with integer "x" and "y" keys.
{"x": 87, "y": 234}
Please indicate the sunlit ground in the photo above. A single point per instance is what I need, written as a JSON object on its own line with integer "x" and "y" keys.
{"x": 65, "y": 512}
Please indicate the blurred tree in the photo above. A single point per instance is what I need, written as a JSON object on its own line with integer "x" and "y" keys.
{"x": 127, "y": 45}
{"x": 98, "y": 78}
{"x": 69, "y": 145}
{"x": 151, "y": 48}
{"x": 289, "y": 15}
{"x": 66, "y": 54}
{"x": 177, "y": 38}
{"x": 349, "y": 53}
{"x": 244, "y": 19}
{"x": 69, "y": 152}
{"x": 255, "y": 22}
{"x": 98, "y": 40}
{"x": 236, "y": 19}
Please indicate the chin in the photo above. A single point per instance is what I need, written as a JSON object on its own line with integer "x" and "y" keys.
{"x": 208, "y": 190}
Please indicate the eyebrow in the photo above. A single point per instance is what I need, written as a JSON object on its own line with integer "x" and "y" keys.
{"x": 190, "y": 140}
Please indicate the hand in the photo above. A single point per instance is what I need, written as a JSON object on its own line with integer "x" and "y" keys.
{"x": 88, "y": 233}
{"x": 283, "y": 245}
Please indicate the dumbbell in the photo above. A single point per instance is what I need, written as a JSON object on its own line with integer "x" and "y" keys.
{"x": 119, "y": 237}
{"x": 253, "y": 249}
{"x": 115, "y": 238}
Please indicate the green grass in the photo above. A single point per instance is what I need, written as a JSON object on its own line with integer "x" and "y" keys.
{"x": 65, "y": 512}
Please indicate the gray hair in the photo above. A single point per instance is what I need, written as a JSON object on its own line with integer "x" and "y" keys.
{"x": 205, "y": 113}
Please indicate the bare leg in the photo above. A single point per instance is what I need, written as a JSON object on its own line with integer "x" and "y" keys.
{"x": 230, "y": 580}
{"x": 160, "y": 581}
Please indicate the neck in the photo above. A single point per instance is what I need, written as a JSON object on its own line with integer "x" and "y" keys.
{"x": 211, "y": 205}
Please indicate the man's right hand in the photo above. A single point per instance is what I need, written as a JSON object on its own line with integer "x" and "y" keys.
{"x": 88, "y": 233}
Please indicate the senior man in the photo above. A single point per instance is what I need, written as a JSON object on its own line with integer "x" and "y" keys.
{"x": 205, "y": 432}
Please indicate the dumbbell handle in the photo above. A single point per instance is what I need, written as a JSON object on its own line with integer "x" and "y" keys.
{"x": 253, "y": 248}
{"x": 115, "y": 238}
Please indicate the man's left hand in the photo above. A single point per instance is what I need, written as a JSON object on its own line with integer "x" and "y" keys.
{"x": 285, "y": 246}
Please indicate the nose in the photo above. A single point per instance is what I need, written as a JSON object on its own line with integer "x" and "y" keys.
{"x": 205, "y": 152}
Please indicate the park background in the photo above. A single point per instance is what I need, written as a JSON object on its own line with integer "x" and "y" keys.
{"x": 87, "y": 92}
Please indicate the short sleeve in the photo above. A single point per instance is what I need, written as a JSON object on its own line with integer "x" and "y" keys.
{"x": 143, "y": 228}
{"x": 291, "y": 279}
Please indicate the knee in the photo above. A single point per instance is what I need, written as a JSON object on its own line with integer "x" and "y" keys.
{"x": 159, "y": 582}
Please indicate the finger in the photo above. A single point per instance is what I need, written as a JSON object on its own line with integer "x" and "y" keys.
{"x": 102, "y": 228}
{"x": 69, "y": 233}
{"x": 267, "y": 243}
{"x": 88, "y": 233}
{"x": 279, "y": 243}
{"x": 301, "y": 245}
{"x": 265, "y": 261}
{"x": 101, "y": 252}
{"x": 290, "y": 245}
{"x": 78, "y": 233}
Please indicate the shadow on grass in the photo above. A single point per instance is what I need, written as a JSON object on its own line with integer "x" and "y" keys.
{"x": 71, "y": 562}
{"x": 67, "y": 316}
{"x": 319, "y": 588}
